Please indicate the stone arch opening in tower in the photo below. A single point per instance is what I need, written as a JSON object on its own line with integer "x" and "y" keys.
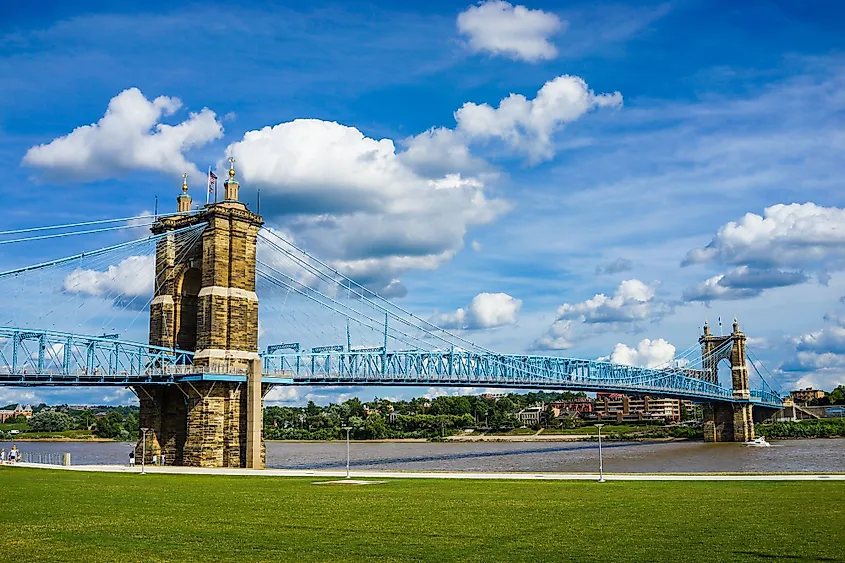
{"x": 188, "y": 294}
{"x": 723, "y": 372}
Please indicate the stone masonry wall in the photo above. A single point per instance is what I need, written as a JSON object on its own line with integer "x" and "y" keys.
{"x": 204, "y": 423}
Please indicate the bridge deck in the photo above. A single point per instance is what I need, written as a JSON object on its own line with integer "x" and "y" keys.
{"x": 35, "y": 358}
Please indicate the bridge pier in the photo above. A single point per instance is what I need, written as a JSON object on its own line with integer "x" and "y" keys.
{"x": 205, "y": 424}
{"x": 728, "y": 422}
{"x": 205, "y": 302}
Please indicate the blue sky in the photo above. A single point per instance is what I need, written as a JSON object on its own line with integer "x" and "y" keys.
{"x": 645, "y": 130}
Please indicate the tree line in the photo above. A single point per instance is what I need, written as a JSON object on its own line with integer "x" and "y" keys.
{"x": 416, "y": 418}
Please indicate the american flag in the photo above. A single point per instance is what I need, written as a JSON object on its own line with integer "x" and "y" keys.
{"x": 212, "y": 181}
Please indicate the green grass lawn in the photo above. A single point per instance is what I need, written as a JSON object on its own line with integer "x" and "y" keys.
{"x": 69, "y": 516}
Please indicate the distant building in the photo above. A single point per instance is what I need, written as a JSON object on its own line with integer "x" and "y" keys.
{"x": 17, "y": 410}
{"x": 622, "y": 407}
{"x": 532, "y": 415}
{"x": 580, "y": 405}
{"x": 804, "y": 396}
{"x": 494, "y": 396}
{"x": 794, "y": 411}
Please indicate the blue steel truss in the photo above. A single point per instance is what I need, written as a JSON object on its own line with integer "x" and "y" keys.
{"x": 463, "y": 369}
{"x": 37, "y": 357}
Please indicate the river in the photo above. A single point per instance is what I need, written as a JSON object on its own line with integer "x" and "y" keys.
{"x": 816, "y": 456}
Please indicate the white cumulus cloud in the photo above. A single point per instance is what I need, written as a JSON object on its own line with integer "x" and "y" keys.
{"x": 500, "y": 28}
{"x": 712, "y": 289}
{"x": 781, "y": 247}
{"x": 130, "y": 136}
{"x": 525, "y": 126}
{"x": 785, "y": 236}
{"x": 353, "y": 201}
{"x": 486, "y": 310}
{"x": 529, "y": 125}
{"x": 440, "y": 151}
{"x": 633, "y": 301}
{"x": 131, "y": 277}
{"x": 648, "y": 353}
{"x": 558, "y": 337}
{"x": 818, "y": 359}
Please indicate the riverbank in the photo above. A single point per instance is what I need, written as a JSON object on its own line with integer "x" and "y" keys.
{"x": 161, "y": 517}
{"x": 384, "y": 441}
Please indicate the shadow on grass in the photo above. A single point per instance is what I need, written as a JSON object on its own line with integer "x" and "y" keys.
{"x": 766, "y": 555}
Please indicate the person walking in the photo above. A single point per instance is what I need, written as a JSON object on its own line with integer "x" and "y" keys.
{"x": 132, "y": 458}
{"x": 161, "y": 459}
{"x": 13, "y": 454}
{"x": 3, "y": 456}
{"x": 155, "y": 459}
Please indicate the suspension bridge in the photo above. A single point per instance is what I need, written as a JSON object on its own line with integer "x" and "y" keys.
{"x": 174, "y": 316}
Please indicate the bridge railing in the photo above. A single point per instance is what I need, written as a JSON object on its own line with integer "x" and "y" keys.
{"x": 766, "y": 397}
{"x": 415, "y": 367}
{"x": 48, "y": 355}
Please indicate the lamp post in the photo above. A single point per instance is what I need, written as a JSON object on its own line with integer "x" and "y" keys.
{"x": 143, "y": 448}
{"x": 601, "y": 469}
{"x": 347, "y": 428}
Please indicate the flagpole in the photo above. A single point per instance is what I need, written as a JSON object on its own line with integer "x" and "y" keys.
{"x": 207, "y": 190}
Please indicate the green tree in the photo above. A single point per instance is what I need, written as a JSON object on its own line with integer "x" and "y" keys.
{"x": 131, "y": 425}
{"x": 86, "y": 419}
{"x": 106, "y": 428}
{"x": 375, "y": 428}
{"x": 505, "y": 405}
{"x": 837, "y": 396}
{"x": 355, "y": 407}
{"x": 312, "y": 409}
{"x": 48, "y": 421}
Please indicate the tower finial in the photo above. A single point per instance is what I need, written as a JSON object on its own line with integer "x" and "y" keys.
{"x": 231, "y": 184}
{"x": 183, "y": 201}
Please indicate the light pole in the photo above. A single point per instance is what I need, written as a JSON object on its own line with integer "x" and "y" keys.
{"x": 347, "y": 428}
{"x": 143, "y": 448}
{"x": 601, "y": 469}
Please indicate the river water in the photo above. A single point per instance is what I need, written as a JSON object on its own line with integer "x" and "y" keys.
{"x": 822, "y": 456}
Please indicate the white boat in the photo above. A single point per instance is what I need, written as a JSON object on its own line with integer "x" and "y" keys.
{"x": 759, "y": 442}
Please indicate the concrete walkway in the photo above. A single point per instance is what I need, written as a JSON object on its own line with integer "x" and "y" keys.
{"x": 366, "y": 474}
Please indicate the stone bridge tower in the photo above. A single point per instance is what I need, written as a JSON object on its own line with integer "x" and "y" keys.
{"x": 727, "y": 422}
{"x": 205, "y": 302}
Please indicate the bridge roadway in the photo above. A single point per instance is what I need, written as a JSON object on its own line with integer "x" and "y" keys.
{"x": 40, "y": 357}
